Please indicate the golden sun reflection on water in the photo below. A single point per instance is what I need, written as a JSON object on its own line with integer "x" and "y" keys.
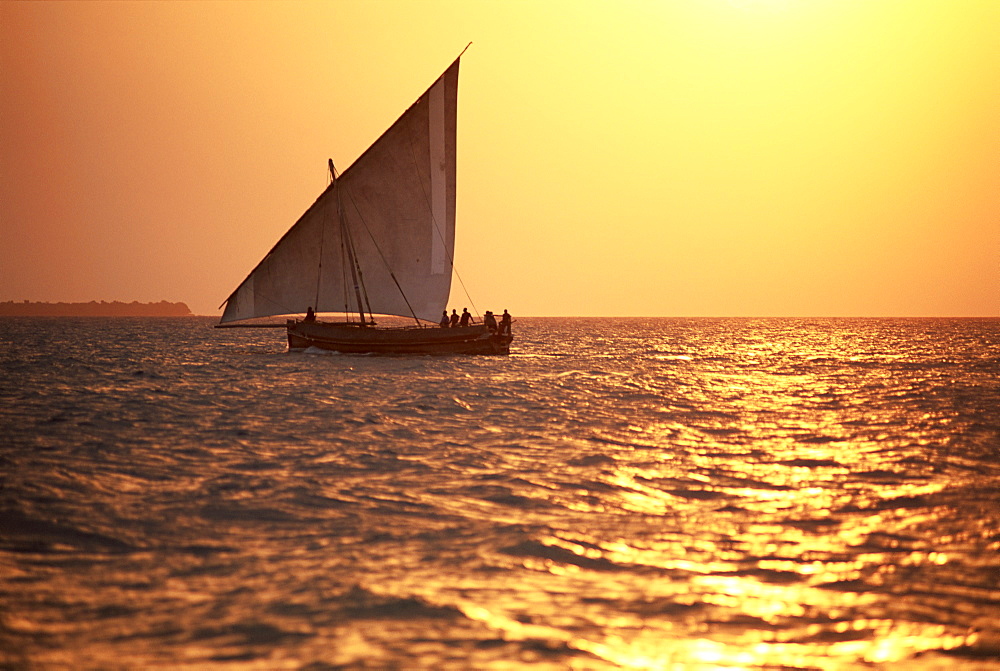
{"x": 788, "y": 543}
{"x": 773, "y": 532}
{"x": 718, "y": 500}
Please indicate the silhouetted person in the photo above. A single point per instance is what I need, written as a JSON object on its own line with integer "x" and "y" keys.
{"x": 490, "y": 321}
{"x": 505, "y": 323}
{"x": 310, "y": 315}
{"x": 454, "y": 318}
{"x": 444, "y": 320}
{"x": 466, "y": 317}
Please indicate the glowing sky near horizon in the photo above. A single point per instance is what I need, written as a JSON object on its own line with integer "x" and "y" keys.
{"x": 677, "y": 158}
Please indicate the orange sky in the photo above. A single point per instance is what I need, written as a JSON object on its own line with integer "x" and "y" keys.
{"x": 678, "y": 158}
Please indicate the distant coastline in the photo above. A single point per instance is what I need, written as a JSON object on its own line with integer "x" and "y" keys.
{"x": 94, "y": 309}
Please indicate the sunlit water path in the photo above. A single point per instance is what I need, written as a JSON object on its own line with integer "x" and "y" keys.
{"x": 615, "y": 494}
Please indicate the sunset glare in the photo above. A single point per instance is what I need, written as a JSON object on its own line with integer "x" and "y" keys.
{"x": 674, "y": 158}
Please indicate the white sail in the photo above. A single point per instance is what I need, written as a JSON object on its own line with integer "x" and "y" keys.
{"x": 396, "y": 204}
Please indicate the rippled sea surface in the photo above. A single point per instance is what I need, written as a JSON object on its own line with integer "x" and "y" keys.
{"x": 636, "y": 494}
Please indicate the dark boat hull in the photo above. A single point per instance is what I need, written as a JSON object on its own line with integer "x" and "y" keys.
{"x": 355, "y": 339}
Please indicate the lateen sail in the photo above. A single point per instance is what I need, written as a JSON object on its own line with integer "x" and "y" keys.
{"x": 396, "y": 203}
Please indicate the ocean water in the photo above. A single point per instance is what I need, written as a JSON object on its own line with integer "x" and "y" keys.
{"x": 616, "y": 494}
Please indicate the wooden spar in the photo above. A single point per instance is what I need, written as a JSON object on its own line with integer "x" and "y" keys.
{"x": 352, "y": 261}
{"x": 322, "y": 237}
{"x": 287, "y": 276}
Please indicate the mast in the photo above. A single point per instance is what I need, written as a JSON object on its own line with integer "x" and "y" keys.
{"x": 322, "y": 238}
{"x": 346, "y": 234}
{"x": 352, "y": 260}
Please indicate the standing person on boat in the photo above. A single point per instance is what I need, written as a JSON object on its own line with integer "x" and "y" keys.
{"x": 454, "y": 318}
{"x": 466, "y": 317}
{"x": 444, "y": 320}
{"x": 490, "y": 321}
{"x": 505, "y": 323}
{"x": 310, "y": 315}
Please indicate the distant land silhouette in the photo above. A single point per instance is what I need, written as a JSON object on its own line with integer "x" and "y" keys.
{"x": 94, "y": 309}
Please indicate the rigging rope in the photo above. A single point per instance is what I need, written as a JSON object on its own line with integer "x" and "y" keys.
{"x": 384, "y": 261}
